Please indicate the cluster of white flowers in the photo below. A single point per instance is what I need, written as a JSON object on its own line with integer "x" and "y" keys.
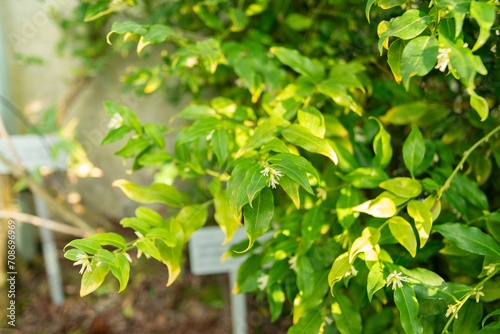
{"x": 273, "y": 174}
{"x": 116, "y": 121}
{"x": 443, "y": 58}
{"x": 478, "y": 293}
{"x": 84, "y": 261}
{"x": 395, "y": 279}
{"x": 352, "y": 271}
{"x": 263, "y": 280}
{"x": 452, "y": 309}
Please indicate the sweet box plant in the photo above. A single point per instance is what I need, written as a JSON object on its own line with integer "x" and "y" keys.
{"x": 363, "y": 136}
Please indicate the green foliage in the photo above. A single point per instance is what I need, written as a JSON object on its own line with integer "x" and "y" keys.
{"x": 370, "y": 178}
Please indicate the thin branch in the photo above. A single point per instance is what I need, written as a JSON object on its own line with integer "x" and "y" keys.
{"x": 59, "y": 209}
{"x": 75, "y": 89}
{"x": 42, "y": 222}
{"x": 464, "y": 158}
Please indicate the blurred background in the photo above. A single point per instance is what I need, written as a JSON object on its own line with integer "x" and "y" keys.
{"x": 56, "y": 72}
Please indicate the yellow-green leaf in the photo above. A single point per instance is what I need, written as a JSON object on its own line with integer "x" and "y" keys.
{"x": 403, "y": 232}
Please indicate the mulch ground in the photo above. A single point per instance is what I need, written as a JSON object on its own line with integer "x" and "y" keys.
{"x": 192, "y": 305}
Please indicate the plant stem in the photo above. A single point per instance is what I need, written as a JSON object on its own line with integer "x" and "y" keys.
{"x": 467, "y": 296}
{"x": 464, "y": 158}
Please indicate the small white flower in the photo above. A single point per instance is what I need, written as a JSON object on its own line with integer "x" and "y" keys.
{"x": 127, "y": 255}
{"x": 443, "y": 59}
{"x": 352, "y": 271}
{"x": 209, "y": 136}
{"x": 263, "y": 280}
{"x": 452, "y": 309}
{"x": 116, "y": 121}
{"x": 490, "y": 269}
{"x": 98, "y": 264}
{"x": 321, "y": 193}
{"x": 191, "y": 62}
{"x": 273, "y": 174}
{"x": 395, "y": 278}
{"x": 139, "y": 253}
{"x": 84, "y": 261}
{"x": 478, "y": 294}
{"x": 293, "y": 262}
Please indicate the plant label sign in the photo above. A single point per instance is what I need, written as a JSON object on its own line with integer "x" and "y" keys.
{"x": 34, "y": 151}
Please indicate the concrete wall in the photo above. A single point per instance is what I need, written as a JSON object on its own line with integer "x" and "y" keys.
{"x": 28, "y": 30}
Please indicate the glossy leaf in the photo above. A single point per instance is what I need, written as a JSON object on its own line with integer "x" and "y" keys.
{"x": 346, "y": 316}
{"x": 403, "y": 232}
{"x": 109, "y": 238}
{"x": 86, "y": 245}
{"x": 383, "y": 207}
{"x": 258, "y": 217}
{"x": 105, "y": 256}
{"x": 312, "y": 119}
{"x": 368, "y": 239}
{"x": 485, "y": 15}
{"x": 309, "y": 323}
{"x": 148, "y": 247}
{"x": 299, "y": 63}
{"x": 339, "y": 268}
{"x": 407, "y": 304}
{"x": 220, "y": 142}
{"x": 300, "y": 136}
{"x": 93, "y": 277}
{"x": 348, "y": 199}
{"x": 411, "y": 24}
{"x": 375, "y": 280}
{"x": 419, "y": 57}
{"x": 223, "y": 215}
{"x": 191, "y": 218}
{"x": 469, "y": 238}
{"x": 156, "y": 193}
{"x": 382, "y": 147}
{"x": 402, "y": 187}
{"x": 413, "y": 150}
{"x": 422, "y": 216}
{"x": 311, "y": 226}
{"x": 122, "y": 273}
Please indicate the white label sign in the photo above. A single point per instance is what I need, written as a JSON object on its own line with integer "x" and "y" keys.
{"x": 34, "y": 151}
{"x": 206, "y": 250}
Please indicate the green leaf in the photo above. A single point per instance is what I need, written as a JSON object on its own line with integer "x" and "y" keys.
{"x": 308, "y": 323}
{"x": 479, "y": 104}
{"x": 394, "y": 56}
{"x": 348, "y": 199}
{"x": 382, "y": 147}
{"x": 136, "y": 224}
{"x": 413, "y": 150}
{"x": 419, "y": 57}
{"x": 248, "y": 272}
{"x": 163, "y": 234}
{"x": 422, "y": 216}
{"x": 403, "y": 232}
{"x": 368, "y": 239}
{"x": 407, "y": 304}
{"x": 220, "y": 142}
{"x": 300, "y": 136}
{"x": 254, "y": 181}
{"x": 148, "y": 247}
{"x": 312, "y": 119}
{"x": 74, "y": 254}
{"x": 469, "y": 238}
{"x": 338, "y": 92}
{"x": 126, "y": 27}
{"x": 469, "y": 316}
{"x": 298, "y": 22}
{"x": 149, "y": 216}
{"x": 311, "y": 227}
{"x": 258, "y": 218}
{"x": 122, "y": 273}
{"x": 381, "y": 207}
{"x": 340, "y": 267}
{"x": 411, "y": 24}
{"x": 298, "y": 162}
{"x": 109, "y": 238}
{"x": 223, "y": 215}
{"x": 346, "y": 316}
{"x": 133, "y": 147}
{"x": 115, "y": 134}
{"x": 157, "y": 33}
{"x": 365, "y": 178}
{"x": 200, "y": 128}
{"x": 105, "y": 256}
{"x": 405, "y": 113}
{"x": 263, "y": 134}
{"x": 156, "y": 193}
{"x": 300, "y": 64}
{"x": 287, "y": 164}
{"x": 130, "y": 119}
{"x": 291, "y": 188}
{"x": 87, "y": 245}
{"x": 191, "y": 218}
{"x": 234, "y": 184}
{"x": 368, "y": 7}
{"x": 276, "y": 299}
{"x": 154, "y": 158}
{"x": 485, "y": 15}
{"x": 93, "y": 277}
{"x": 155, "y": 133}
{"x": 172, "y": 256}
{"x": 402, "y": 187}
{"x": 375, "y": 280}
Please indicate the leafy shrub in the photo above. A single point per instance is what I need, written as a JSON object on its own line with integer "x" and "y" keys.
{"x": 377, "y": 179}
